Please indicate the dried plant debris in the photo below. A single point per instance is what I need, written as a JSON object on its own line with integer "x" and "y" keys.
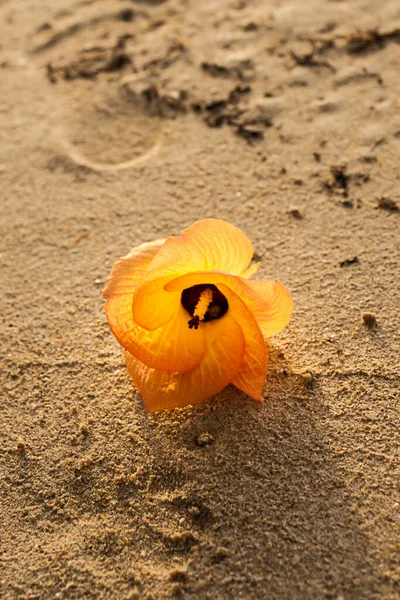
{"x": 126, "y": 14}
{"x": 232, "y": 110}
{"x": 175, "y": 51}
{"x": 339, "y": 181}
{"x": 353, "y": 43}
{"x": 219, "y": 112}
{"x": 249, "y": 123}
{"x": 252, "y": 123}
{"x": 250, "y": 131}
{"x": 370, "y": 320}
{"x": 328, "y": 27}
{"x": 91, "y": 62}
{"x": 223, "y": 110}
{"x": 388, "y": 204}
{"x": 251, "y": 26}
{"x": 370, "y": 40}
{"x": 204, "y": 439}
{"x": 296, "y": 214}
{"x": 158, "y": 102}
{"x": 349, "y": 261}
{"x": 309, "y": 59}
{"x": 242, "y": 70}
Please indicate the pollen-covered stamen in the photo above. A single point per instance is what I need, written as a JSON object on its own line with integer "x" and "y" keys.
{"x": 204, "y": 302}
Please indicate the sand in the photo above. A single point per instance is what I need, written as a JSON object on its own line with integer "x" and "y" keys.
{"x": 125, "y": 121}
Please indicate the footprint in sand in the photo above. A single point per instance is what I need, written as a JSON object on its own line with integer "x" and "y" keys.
{"x": 99, "y": 124}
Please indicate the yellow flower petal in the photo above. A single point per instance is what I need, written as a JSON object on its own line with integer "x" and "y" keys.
{"x": 128, "y": 271}
{"x": 269, "y": 301}
{"x": 252, "y": 372}
{"x": 207, "y": 245}
{"x": 251, "y": 270}
{"x": 172, "y": 347}
{"x": 222, "y": 360}
{"x": 272, "y": 305}
{"x": 152, "y": 306}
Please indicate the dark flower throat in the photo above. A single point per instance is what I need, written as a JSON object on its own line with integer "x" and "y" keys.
{"x": 203, "y": 302}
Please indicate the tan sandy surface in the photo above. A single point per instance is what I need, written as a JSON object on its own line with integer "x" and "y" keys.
{"x": 123, "y": 121}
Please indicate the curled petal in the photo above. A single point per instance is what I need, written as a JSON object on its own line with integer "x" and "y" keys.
{"x": 172, "y": 347}
{"x": 126, "y": 274}
{"x": 253, "y": 268}
{"x": 129, "y": 270}
{"x": 272, "y": 305}
{"x": 252, "y": 372}
{"x": 269, "y": 301}
{"x": 207, "y": 245}
{"x": 223, "y": 357}
{"x": 152, "y": 306}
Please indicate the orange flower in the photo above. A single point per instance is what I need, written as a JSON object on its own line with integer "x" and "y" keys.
{"x": 189, "y": 319}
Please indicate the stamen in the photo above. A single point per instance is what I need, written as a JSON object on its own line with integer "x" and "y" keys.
{"x": 202, "y": 305}
{"x": 203, "y": 302}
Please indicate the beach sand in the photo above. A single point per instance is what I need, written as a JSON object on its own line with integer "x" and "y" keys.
{"x": 126, "y": 121}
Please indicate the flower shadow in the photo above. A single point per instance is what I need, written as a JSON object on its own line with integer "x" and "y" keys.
{"x": 279, "y": 513}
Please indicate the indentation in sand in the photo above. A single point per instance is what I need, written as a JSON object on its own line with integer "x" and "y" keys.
{"x": 99, "y": 125}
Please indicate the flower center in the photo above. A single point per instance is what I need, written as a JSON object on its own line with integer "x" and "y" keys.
{"x": 203, "y": 302}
